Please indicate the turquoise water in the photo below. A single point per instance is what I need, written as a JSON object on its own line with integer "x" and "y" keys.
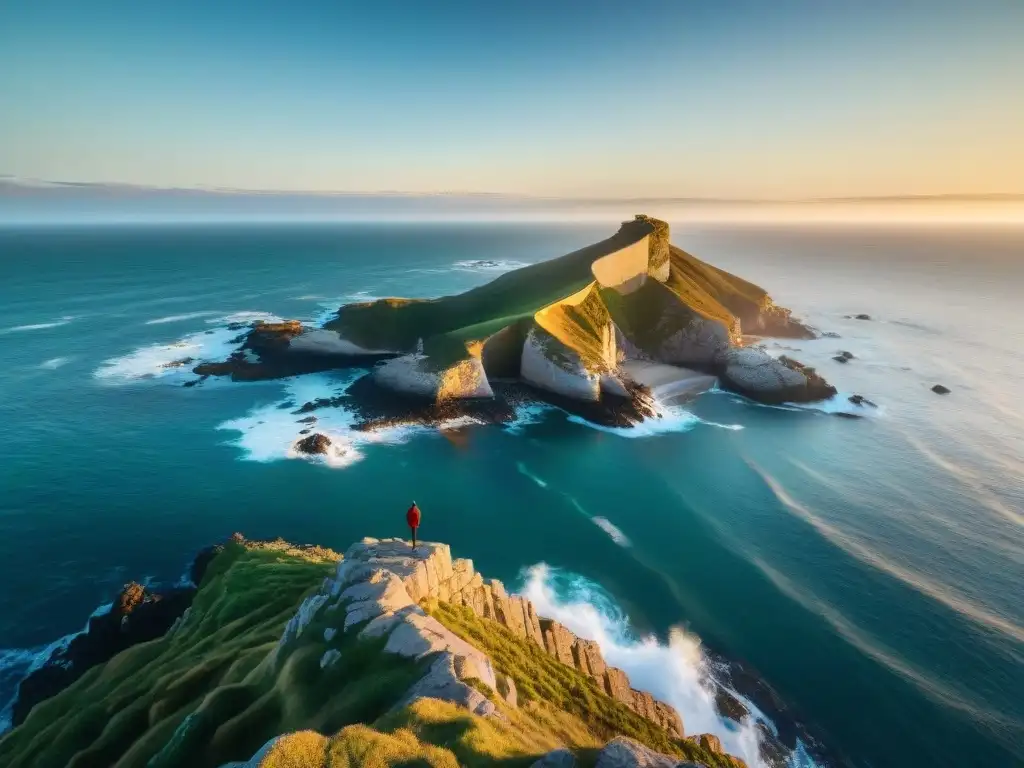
{"x": 872, "y": 571}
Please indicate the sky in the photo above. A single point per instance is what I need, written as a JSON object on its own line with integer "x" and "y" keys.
{"x": 737, "y": 99}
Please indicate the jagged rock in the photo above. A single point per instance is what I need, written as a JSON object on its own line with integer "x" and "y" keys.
{"x": 558, "y": 641}
{"x": 559, "y": 758}
{"x": 138, "y": 615}
{"x": 616, "y": 684}
{"x": 841, "y": 359}
{"x": 627, "y": 753}
{"x": 728, "y": 705}
{"x": 939, "y": 389}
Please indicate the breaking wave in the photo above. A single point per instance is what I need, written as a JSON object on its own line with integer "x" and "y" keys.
{"x": 179, "y": 318}
{"x": 175, "y": 360}
{"x": 270, "y": 432}
{"x": 676, "y": 672}
{"x": 38, "y": 326}
{"x": 487, "y": 265}
{"x": 54, "y": 363}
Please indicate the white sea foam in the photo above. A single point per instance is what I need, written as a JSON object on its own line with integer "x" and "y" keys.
{"x": 245, "y": 317}
{"x": 612, "y": 530}
{"x": 675, "y": 673}
{"x": 38, "y": 326}
{"x": 54, "y": 363}
{"x": 840, "y": 403}
{"x": 270, "y": 432}
{"x": 673, "y": 418}
{"x": 534, "y": 413}
{"x": 487, "y": 265}
{"x": 155, "y": 361}
{"x": 179, "y": 318}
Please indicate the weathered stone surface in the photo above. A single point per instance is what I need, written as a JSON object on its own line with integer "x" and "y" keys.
{"x": 443, "y": 682}
{"x": 559, "y": 758}
{"x": 533, "y": 630}
{"x": 759, "y": 376}
{"x": 418, "y": 635}
{"x": 507, "y": 690}
{"x": 558, "y": 641}
{"x": 668, "y": 718}
{"x": 591, "y": 651}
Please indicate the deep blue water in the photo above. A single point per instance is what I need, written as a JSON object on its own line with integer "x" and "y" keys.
{"x": 871, "y": 570}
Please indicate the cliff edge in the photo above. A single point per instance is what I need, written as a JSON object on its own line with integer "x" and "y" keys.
{"x": 387, "y": 656}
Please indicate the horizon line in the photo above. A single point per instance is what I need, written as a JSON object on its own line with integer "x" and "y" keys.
{"x": 12, "y": 181}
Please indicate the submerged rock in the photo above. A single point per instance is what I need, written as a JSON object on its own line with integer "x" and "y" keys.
{"x": 843, "y": 357}
{"x": 858, "y": 317}
{"x": 861, "y": 400}
{"x": 939, "y": 389}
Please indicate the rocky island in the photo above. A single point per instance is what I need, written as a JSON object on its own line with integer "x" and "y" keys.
{"x": 389, "y": 655}
{"x": 602, "y": 332}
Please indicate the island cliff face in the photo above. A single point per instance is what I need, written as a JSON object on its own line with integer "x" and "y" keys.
{"x": 569, "y": 328}
{"x": 298, "y": 656}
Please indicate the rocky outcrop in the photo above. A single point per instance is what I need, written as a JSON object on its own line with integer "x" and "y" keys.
{"x": 381, "y": 583}
{"x": 138, "y": 614}
{"x": 756, "y": 374}
{"x": 550, "y": 365}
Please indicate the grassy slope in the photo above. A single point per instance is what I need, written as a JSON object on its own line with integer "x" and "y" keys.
{"x": 210, "y": 694}
{"x": 399, "y": 323}
{"x": 205, "y": 695}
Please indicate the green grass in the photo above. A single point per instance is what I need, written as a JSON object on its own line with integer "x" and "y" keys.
{"x": 399, "y": 323}
{"x": 542, "y": 679}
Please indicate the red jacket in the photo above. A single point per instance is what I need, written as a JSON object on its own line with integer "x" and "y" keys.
{"x": 412, "y": 517}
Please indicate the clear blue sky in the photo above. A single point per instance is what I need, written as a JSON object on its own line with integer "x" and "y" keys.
{"x": 672, "y": 98}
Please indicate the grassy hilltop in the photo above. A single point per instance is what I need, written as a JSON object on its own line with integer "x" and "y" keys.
{"x": 562, "y": 297}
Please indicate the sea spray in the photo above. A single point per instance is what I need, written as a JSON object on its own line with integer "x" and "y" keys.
{"x": 675, "y": 673}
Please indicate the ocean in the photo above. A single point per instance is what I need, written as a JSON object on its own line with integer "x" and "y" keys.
{"x": 870, "y": 570}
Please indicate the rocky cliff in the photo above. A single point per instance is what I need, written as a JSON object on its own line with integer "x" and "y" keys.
{"x": 387, "y": 656}
{"x": 566, "y": 327}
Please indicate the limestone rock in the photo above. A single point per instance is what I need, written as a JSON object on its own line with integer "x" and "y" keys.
{"x": 551, "y": 365}
{"x": 443, "y": 682}
{"x": 759, "y": 376}
{"x": 417, "y": 375}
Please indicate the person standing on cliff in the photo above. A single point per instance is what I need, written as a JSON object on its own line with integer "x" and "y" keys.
{"x": 412, "y": 517}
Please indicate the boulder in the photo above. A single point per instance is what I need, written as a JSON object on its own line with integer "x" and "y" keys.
{"x": 756, "y": 374}
{"x": 419, "y": 376}
{"x": 858, "y": 317}
{"x": 939, "y": 389}
{"x": 314, "y": 444}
